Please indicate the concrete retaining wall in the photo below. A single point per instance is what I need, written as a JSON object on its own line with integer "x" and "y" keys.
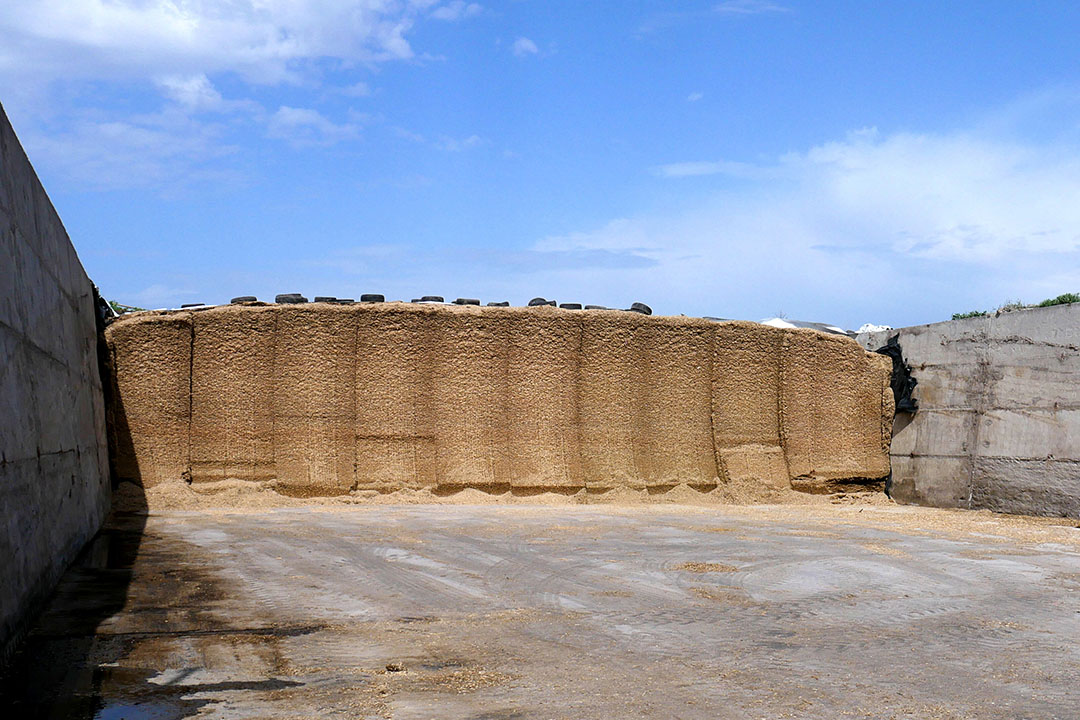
{"x": 54, "y": 488}
{"x": 328, "y": 399}
{"x": 998, "y": 425}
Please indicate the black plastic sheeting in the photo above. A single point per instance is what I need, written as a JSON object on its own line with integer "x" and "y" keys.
{"x": 902, "y": 382}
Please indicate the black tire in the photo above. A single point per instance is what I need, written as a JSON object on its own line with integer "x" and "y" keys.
{"x": 432, "y": 298}
{"x": 324, "y": 298}
{"x": 344, "y": 301}
{"x": 498, "y": 304}
{"x": 570, "y": 306}
{"x": 191, "y": 305}
{"x": 290, "y": 298}
{"x": 372, "y": 297}
{"x": 596, "y": 307}
{"x": 244, "y": 299}
{"x": 641, "y": 308}
{"x": 466, "y": 301}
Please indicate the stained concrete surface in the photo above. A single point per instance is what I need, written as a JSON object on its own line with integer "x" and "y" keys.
{"x": 570, "y": 612}
{"x": 54, "y": 478}
{"x": 998, "y": 425}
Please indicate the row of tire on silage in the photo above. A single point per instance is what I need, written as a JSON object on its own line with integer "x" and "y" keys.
{"x": 323, "y": 400}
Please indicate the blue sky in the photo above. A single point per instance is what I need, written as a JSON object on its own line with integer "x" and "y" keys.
{"x": 848, "y": 162}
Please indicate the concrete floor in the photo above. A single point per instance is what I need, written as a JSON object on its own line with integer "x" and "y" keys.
{"x": 464, "y": 612}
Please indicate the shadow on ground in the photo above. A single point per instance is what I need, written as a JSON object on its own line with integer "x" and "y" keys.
{"x": 55, "y": 673}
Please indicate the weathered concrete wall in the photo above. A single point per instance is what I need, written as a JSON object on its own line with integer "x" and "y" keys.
{"x": 998, "y": 424}
{"x": 54, "y": 488}
{"x": 327, "y": 399}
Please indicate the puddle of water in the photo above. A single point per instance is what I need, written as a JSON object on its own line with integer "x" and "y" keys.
{"x": 139, "y": 711}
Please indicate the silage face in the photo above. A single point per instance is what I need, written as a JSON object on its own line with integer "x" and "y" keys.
{"x": 324, "y": 400}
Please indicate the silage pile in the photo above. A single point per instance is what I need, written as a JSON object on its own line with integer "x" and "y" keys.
{"x": 422, "y": 402}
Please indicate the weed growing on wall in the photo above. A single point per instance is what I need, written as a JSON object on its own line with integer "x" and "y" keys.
{"x": 122, "y": 309}
{"x": 1009, "y": 306}
{"x": 1063, "y": 299}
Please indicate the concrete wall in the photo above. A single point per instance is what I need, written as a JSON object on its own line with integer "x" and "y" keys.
{"x": 325, "y": 399}
{"x": 54, "y": 488}
{"x": 998, "y": 425}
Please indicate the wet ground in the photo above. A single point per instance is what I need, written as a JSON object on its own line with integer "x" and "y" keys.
{"x": 500, "y": 613}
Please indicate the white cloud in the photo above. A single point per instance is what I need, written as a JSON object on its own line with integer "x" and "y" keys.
{"x": 450, "y": 144}
{"x": 524, "y": 46}
{"x": 456, "y": 10}
{"x": 953, "y": 197}
{"x": 264, "y": 40}
{"x": 409, "y": 135}
{"x": 691, "y": 169}
{"x": 196, "y": 94}
{"x": 192, "y": 91}
{"x": 359, "y": 89}
{"x": 721, "y": 167}
{"x": 304, "y": 126}
{"x": 446, "y": 143}
{"x": 52, "y": 50}
{"x": 669, "y": 19}
{"x": 164, "y": 151}
{"x": 694, "y": 96}
{"x": 896, "y": 229}
{"x": 748, "y": 7}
